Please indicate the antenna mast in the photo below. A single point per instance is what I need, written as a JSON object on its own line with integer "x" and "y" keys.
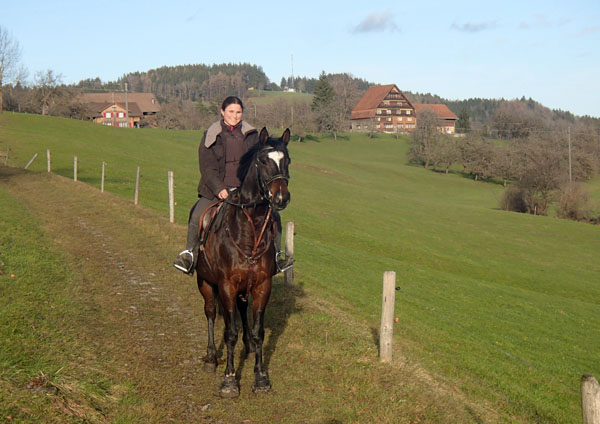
{"x": 292, "y": 87}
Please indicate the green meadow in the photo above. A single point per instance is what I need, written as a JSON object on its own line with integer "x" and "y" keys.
{"x": 503, "y": 306}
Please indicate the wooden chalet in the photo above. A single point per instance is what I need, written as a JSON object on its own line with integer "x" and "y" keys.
{"x": 383, "y": 108}
{"x": 446, "y": 117}
{"x": 119, "y": 109}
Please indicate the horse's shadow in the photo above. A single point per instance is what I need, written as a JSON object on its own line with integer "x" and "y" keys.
{"x": 282, "y": 305}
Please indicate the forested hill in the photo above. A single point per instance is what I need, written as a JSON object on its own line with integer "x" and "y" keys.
{"x": 484, "y": 110}
{"x": 189, "y": 82}
{"x": 210, "y": 83}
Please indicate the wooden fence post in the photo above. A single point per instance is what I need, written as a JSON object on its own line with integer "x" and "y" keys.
{"x": 386, "y": 332}
{"x": 289, "y": 251}
{"x": 31, "y": 161}
{"x": 75, "y": 168}
{"x": 590, "y": 399}
{"x": 48, "y": 160}
{"x": 102, "y": 178}
{"x": 137, "y": 186}
{"x": 171, "y": 198}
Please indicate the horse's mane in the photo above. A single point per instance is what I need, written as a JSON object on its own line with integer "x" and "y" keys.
{"x": 248, "y": 159}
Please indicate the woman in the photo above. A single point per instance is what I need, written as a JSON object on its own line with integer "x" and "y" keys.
{"x": 219, "y": 154}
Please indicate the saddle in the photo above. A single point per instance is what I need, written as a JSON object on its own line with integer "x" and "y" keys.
{"x": 210, "y": 220}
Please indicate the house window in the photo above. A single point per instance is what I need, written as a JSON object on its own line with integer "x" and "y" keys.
{"x": 107, "y": 115}
{"x": 378, "y": 111}
{"x": 379, "y": 119}
{"x": 389, "y": 126}
{"x": 409, "y": 119}
{"x": 108, "y": 123}
{"x": 121, "y": 115}
{"x": 386, "y": 102}
{"x": 389, "y": 119}
{"x": 408, "y": 112}
{"x": 389, "y": 111}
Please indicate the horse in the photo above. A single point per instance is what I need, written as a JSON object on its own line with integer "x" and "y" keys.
{"x": 238, "y": 257}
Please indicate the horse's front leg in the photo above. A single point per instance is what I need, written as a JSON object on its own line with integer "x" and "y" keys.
{"x": 248, "y": 344}
{"x": 229, "y": 386}
{"x": 260, "y": 298}
{"x": 210, "y": 310}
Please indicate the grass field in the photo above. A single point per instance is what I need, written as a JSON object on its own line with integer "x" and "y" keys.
{"x": 263, "y": 97}
{"x": 503, "y": 306}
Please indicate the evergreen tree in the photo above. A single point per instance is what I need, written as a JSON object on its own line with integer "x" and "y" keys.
{"x": 323, "y": 94}
{"x": 323, "y": 106}
{"x": 463, "y": 125}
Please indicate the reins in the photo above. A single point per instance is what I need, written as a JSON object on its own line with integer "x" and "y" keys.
{"x": 253, "y": 258}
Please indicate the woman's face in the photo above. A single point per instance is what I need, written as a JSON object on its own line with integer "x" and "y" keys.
{"x": 232, "y": 115}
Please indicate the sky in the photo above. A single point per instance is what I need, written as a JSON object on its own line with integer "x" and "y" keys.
{"x": 547, "y": 50}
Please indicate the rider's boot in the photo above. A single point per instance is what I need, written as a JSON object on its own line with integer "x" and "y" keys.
{"x": 283, "y": 262}
{"x": 185, "y": 261}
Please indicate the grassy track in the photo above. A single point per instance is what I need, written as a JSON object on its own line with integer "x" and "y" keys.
{"x": 42, "y": 353}
{"x": 504, "y": 307}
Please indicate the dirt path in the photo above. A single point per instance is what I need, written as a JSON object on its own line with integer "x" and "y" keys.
{"x": 147, "y": 321}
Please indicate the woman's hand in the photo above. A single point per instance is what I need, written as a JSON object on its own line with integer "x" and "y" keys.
{"x": 223, "y": 194}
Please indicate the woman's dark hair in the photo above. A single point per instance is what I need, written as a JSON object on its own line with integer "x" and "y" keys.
{"x": 232, "y": 100}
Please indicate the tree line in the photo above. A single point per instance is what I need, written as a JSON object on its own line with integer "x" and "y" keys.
{"x": 542, "y": 165}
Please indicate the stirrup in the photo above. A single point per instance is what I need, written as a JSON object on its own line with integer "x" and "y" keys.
{"x": 185, "y": 262}
{"x": 286, "y": 263}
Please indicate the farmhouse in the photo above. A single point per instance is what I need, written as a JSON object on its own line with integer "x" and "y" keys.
{"x": 383, "y": 108}
{"x": 446, "y": 118}
{"x": 119, "y": 109}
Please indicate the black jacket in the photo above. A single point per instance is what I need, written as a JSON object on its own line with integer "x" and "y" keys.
{"x": 211, "y": 158}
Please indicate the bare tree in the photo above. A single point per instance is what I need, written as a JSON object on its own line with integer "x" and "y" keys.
{"x": 10, "y": 55}
{"x": 477, "y": 154}
{"x": 425, "y": 139}
{"x": 47, "y": 85}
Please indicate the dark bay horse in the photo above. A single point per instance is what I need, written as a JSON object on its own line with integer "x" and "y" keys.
{"x": 239, "y": 257}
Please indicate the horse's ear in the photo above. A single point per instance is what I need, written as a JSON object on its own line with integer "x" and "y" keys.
{"x": 263, "y": 136}
{"x": 286, "y": 136}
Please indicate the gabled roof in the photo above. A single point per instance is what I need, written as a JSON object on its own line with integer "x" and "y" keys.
{"x": 440, "y": 110}
{"x": 145, "y": 102}
{"x": 367, "y": 105}
{"x": 134, "y": 110}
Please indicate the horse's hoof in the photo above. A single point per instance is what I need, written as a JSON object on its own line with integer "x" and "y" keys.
{"x": 229, "y": 388}
{"x": 262, "y": 385}
{"x": 210, "y": 367}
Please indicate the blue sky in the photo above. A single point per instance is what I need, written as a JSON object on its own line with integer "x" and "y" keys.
{"x": 547, "y": 50}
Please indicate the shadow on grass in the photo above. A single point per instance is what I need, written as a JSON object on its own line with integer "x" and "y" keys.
{"x": 375, "y": 335}
{"x": 282, "y": 305}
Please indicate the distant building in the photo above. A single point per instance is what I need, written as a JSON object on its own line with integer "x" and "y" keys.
{"x": 445, "y": 115}
{"x": 114, "y": 109}
{"x": 383, "y": 108}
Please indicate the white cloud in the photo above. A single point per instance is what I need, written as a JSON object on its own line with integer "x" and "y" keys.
{"x": 377, "y": 22}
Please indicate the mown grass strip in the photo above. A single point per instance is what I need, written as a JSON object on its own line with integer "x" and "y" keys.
{"x": 48, "y": 372}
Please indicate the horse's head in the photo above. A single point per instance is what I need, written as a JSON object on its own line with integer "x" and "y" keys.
{"x": 272, "y": 161}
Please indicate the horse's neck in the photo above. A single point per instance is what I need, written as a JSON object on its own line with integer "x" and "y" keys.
{"x": 249, "y": 190}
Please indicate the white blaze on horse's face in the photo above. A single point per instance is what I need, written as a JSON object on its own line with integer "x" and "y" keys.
{"x": 276, "y": 157}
